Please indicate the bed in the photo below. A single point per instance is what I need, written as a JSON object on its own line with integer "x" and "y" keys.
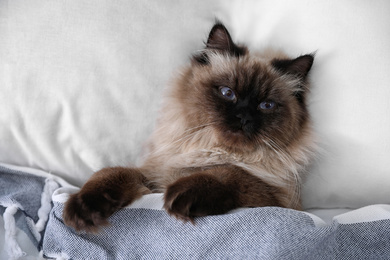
{"x": 81, "y": 85}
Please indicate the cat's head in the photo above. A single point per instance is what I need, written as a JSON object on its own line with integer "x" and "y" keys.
{"x": 248, "y": 100}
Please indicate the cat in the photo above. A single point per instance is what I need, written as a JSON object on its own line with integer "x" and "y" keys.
{"x": 234, "y": 132}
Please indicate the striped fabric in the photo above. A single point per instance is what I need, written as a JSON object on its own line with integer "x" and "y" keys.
{"x": 149, "y": 233}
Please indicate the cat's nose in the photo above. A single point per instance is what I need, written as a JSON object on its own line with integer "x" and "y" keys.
{"x": 244, "y": 118}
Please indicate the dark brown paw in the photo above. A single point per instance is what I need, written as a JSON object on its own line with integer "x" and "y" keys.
{"x": 199, "y": 195}
{"x": 89, "y": 211}
{"x": 107, "y": 191}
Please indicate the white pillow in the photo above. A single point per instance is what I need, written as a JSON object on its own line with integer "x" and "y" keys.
{"x": 81, "y": 81}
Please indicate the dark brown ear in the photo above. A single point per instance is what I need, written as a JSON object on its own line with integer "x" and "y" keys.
{"x": 219, "y": 40}
{"x": 299, "y": 66}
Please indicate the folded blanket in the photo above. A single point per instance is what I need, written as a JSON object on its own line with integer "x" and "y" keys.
{"x": 25, "y": 201}
{"x": 145, "y": 231}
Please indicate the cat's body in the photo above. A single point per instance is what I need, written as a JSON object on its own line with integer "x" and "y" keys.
{"x": 234, "y": 132}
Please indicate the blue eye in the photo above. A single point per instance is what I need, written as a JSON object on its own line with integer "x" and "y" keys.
{"x": 227, "y": 93}
{"x": 265, "y": 105}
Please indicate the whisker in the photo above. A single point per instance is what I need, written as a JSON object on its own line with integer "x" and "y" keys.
{"x": 199, "y": 126}
{"x": 286, "y": 159}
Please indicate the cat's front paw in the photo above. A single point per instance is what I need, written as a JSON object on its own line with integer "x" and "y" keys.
{"x": 199, "y": 195}
{"x": 106, "y": 191}
{"x": 89, "y": 211}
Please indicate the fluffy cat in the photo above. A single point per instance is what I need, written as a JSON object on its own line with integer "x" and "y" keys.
{"x": 234, "y": 132}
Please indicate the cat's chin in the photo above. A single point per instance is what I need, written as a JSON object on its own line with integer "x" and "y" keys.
{"x": 237, "y": 140}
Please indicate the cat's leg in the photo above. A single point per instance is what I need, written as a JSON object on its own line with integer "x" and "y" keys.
{"x": 104, "y": 193}
{"x": 216, "y": 191}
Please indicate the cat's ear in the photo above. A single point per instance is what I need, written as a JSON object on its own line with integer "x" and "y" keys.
{"x": 299, "y": 67}
{"x": 219, "y": 40}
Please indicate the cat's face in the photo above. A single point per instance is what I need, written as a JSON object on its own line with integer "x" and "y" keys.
{"x": 247, "y": 100}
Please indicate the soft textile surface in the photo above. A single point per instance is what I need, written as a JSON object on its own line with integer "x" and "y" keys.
{"x": 81, "y": 81}
{"x": 261, "y": 233}
{"x": 144, "y": 231}
{"x": 25, "y": 199}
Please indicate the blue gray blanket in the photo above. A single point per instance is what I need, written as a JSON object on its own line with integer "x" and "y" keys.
{"x": 145, "y": 233}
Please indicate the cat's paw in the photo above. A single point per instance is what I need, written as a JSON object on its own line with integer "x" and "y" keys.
{"x": 199, "y": 195}
{"x": 89, "y": 211}
{"x": 106, "y": 191}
